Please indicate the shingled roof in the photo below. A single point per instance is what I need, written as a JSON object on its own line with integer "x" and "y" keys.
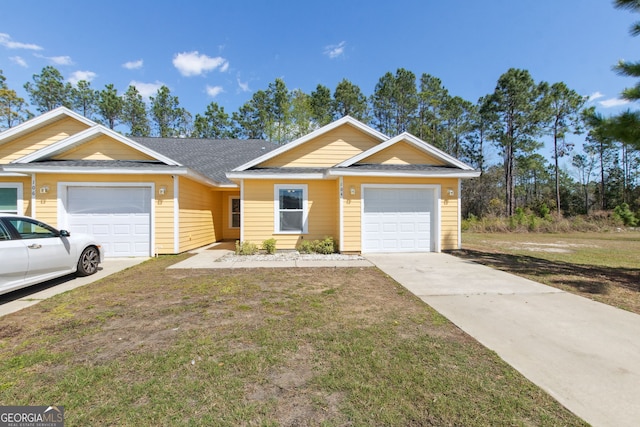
{"x": 210, "y": 157}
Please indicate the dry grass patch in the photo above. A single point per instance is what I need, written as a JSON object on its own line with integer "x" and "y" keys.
{"x": 151, "y": 346}
{"x": 600, "y": 266}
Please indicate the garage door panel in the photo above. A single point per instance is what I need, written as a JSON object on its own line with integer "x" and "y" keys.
{"x": 397, "y": 219}
{"x": 118, "y": 217}
{"x": 389, "y": 227}
{"x": 389, "y": 244}
{"x": 121, "y": 229}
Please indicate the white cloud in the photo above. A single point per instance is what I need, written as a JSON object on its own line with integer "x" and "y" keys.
{"x": 195, "y": 64}
{"x": 244, "y": 86}
{"x": 595, "y": 95}
{"x": 147, "y": 89}
{"x": 76, "y": 76}
{"x": 19, "y": 60}
{"x": 335, "y": 50}
{"x": 61, "y": 60}
{"x": 133, "y": 65}
{"x": 5, "y": 40}
{"x": 214, "y": 91}
{"x": 613, "y": 102}
{"x": 58, "y": 60}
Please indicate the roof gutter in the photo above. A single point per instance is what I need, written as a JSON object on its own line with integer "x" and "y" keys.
{"x": 19, "y": 170}
{"x": 422, "y": 174}
{"x": 293, "y": 175}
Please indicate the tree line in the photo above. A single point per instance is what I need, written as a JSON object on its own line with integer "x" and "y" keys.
{"x": 512, "y": 123}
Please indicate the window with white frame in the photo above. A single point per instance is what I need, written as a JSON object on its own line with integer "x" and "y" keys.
{"x": 234, "y": 212}
{"x": 11, "y": 198}
{"x": 290, "y": 208}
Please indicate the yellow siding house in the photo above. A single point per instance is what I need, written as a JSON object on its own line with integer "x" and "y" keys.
{"x": 146, "y": 196}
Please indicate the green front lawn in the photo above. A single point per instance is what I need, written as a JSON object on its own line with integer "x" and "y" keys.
{"x": 332, "y": 347}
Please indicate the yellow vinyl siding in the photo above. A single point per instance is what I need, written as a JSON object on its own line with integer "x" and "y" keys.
{"x": 327, "y": 150}
{"x": 40, "y": 138}
{"x": 402, "y": 153}
{"x": 199, "y": 215}
{"x": 259, "y": 223}
{"x": 352, "y": 210}
{"x": 164, "y": 213}
{"x": 103, "y": 148}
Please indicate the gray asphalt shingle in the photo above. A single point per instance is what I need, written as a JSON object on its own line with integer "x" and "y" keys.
{"x": 211, "y": 157}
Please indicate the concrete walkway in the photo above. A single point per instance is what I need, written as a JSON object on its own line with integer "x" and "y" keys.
{"x": 17, "y": 300}
{"x": 583, "y": 353}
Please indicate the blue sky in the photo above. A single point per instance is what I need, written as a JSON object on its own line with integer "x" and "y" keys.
{"x": 208, "y": 51}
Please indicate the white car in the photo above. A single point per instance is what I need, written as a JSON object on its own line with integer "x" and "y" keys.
{"x": 32, "y": 252}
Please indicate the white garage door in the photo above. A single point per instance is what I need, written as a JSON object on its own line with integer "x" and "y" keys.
{"x": 118, "y": 217}
{"x": 398, "y": 220}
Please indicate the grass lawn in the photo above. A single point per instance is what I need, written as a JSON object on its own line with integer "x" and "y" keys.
{"x": 602, "y": 266}
{"x": 330, "y": 347}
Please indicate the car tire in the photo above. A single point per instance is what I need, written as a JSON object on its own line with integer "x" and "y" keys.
{"x": 88, "y": 262}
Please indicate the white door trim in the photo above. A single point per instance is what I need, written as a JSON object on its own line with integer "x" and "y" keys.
{"x": 62, "y": 203}
{"x": 436, "y": 207}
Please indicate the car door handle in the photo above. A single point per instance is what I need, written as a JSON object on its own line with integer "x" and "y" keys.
{"x": 35, "y": 246}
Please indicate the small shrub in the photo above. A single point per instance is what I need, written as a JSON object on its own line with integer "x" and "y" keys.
{"x": 269, "y": 246}
{"x": 626, "y": 215}
{"x": 306, "y": 247}
{"x": 246, "y": 248}
{"x": 520, "y": 216}
{"x": 325, "y": 246}
{"x": 543, "y": 211}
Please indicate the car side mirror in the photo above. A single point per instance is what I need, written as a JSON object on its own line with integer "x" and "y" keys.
{"x": 64, "y": 233}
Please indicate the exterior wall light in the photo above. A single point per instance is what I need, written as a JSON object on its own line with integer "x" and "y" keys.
{"x": 162, "y": 190}
{"x": 450, "y": 192}
{"x": 352, "y": 190}
{"x": 44, "y": 189}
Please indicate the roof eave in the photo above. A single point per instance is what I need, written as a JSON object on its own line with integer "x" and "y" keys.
{"x": 24, "y": 170}
{"x": 34, "y": 168}
{"x": 403, "y": 174}
{"x": 293, "y": 175}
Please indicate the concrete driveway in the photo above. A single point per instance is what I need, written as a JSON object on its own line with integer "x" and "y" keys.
{"x": 25, "y": 297}
{"x": 583, "y": 353}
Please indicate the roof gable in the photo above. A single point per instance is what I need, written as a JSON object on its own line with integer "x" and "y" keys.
{"x": 324, "y": 147}
{"x": 43, "y": 120}
{"x": 65, "y": 148}
{"x": 431, "y": 153}
{"x": 326, "y": 150}
{"x": 103, "y": 147}
{"x": 402, "y": 153}
{"x": 20, "y": 144}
